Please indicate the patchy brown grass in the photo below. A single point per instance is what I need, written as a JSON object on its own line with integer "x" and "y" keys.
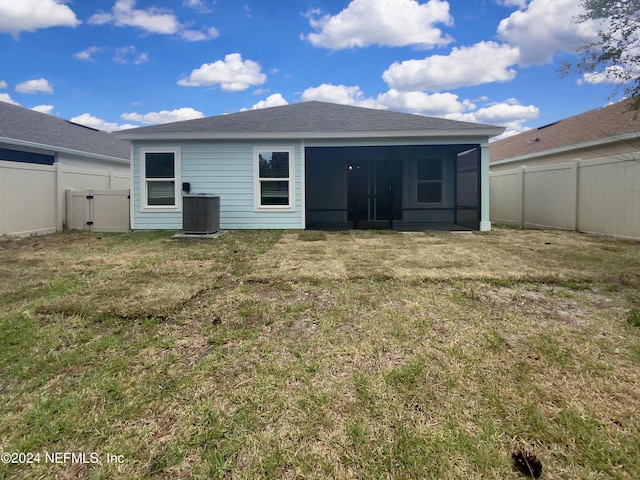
{"x": 503, "y": 254}
{"x": 321, "y": 355}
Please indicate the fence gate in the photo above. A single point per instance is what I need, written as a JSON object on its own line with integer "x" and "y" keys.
{"x": 98, "y": 210}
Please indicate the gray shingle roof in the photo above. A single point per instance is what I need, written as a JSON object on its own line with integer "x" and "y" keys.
{"x": 309, "y": 117}
{"x": 591, "y": 126}
{"x": 18, "y": 123}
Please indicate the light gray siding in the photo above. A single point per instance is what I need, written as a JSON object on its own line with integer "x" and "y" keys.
{"x": 223, "y": 168}
{"x": 226, "y": 168}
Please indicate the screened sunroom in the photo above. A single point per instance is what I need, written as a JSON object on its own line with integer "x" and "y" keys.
{"x": 414, "y": 187}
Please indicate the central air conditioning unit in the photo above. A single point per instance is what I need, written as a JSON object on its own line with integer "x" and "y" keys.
{"x": 200, "y": 214}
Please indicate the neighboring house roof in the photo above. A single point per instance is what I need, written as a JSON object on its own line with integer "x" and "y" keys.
{"x": 311, "y": 120}
{"x": 595, "y": 127}
{"x": 23, "y": 127}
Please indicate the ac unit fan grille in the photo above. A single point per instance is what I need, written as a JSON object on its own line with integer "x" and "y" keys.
{"x": 200, "y": 214}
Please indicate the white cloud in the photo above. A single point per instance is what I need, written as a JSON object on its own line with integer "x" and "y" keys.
{"x": 151, "y": 19}
{"x": 154, "y": 20}
{"x": 127, "y": 55}
{"x": 381, "y": 22}
{"x": 3, "y": 84}
{"x": 32, "y": 15}
{"x": 5, "y": 97}
{"x": 508, "y": 114}
{"x": 198, "y": 5}
{"x": 484, "y": 62}
{"x": 200, "y": 35}
{"x": 41, "y": 85}
{"x": 122, "y": 55}
{"x": 437, "y": 104}
{"x": 232, "y": 74}
{"x": 545, "y": 27}
{"x": 522, "y": 4}
{"x": 274, "y": 100}
{"x": 43, "y": 109}
{"x": 87, "y": 54}
{"x": 595, "y": 79}
{"x": 101, "y": 18}
{"x": 164, "y": 116}
{"x": 141, "y": 58}
{"x": 90, "y": 121}
{"x": 615, "y": 74}
{"x": 342, "y": 94}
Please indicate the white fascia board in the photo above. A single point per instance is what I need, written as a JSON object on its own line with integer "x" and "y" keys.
{"x": 56, "y": 149}
{"x": 576, "y": 146}
{"x": 479, "y": 132}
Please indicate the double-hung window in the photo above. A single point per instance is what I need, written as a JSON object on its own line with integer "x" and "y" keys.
{"x": 274, "y": 178}
{"x": 429, "y": 174}
{"x": 160, "y": 179}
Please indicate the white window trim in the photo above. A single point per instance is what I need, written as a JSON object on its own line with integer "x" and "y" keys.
{"x": 417, "y": 181}
{"x": 258, "y": 207}
{"x": 144, "y": 206}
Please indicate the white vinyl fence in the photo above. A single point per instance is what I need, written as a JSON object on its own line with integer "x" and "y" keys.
{"x": 98, "y": 210}
{"x": 33, "y": 196}
{"x": 594, "y": 196}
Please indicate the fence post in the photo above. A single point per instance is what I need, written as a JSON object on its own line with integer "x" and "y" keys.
{"x": 68, "y": 206}
{"x": 110, "y": 179}
{"x": 575, "y": 167}
{"x": 522, "y": 206}
{"x": 61, "y": 216}
{"x": 483, "y": 164}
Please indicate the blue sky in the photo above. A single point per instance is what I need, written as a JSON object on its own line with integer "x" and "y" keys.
{"x": 114, "y": 64}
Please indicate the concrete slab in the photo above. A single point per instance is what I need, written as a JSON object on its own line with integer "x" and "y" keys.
{"x": 198, "y": 236}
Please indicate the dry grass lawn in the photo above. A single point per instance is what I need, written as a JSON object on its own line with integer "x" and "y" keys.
{"x": 504, "y": 254}
{"x": 340, "y": 355}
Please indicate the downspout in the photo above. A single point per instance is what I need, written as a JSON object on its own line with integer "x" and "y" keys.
{"x": 303, "y": 186}
{"x": 132, "y": 186}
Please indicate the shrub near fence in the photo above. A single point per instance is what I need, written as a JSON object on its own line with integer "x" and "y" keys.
{"x": 599, "y": 196}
